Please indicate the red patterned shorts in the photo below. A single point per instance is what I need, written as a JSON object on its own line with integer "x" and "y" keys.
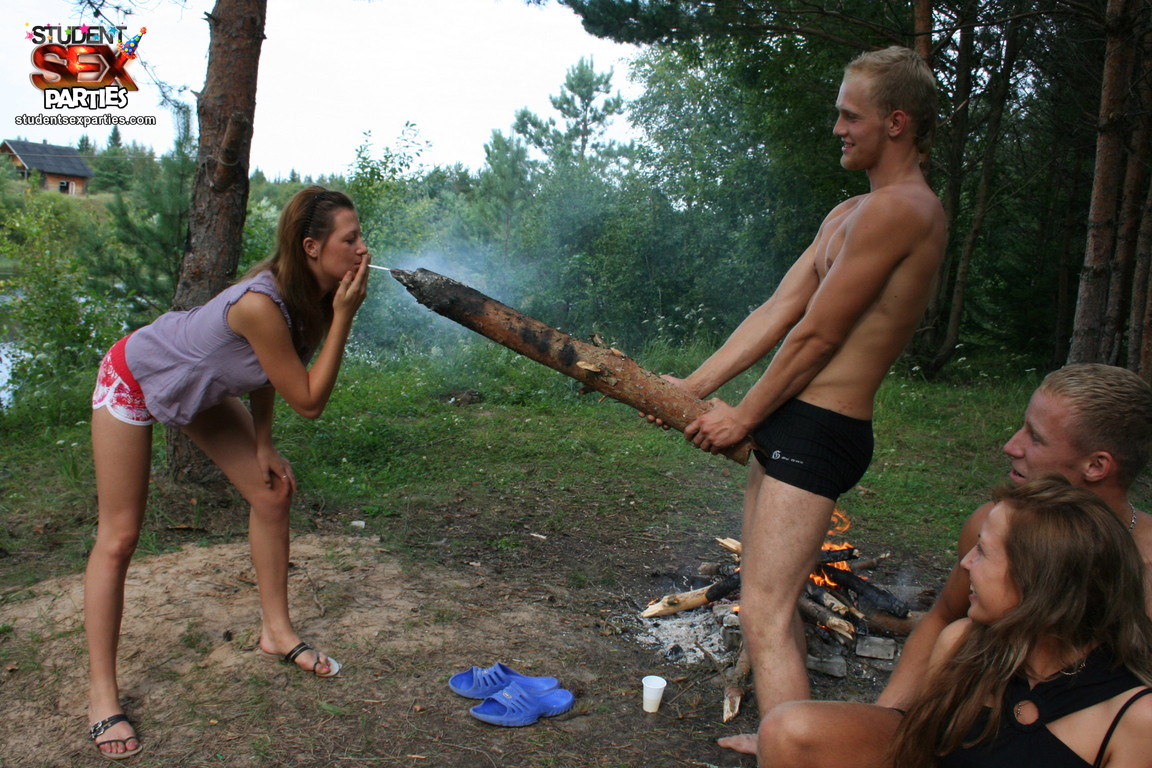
{"x": 117, "y": 390}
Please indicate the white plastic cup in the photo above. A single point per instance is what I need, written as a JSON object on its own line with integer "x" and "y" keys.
{"x": 653, "y": 691}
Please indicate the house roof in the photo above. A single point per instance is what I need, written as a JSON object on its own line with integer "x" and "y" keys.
{"x": 47, "y": 158}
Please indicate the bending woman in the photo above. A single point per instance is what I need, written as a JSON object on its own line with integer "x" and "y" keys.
{"x": 188, "y": 369}
{"x": 1052, "y": 665}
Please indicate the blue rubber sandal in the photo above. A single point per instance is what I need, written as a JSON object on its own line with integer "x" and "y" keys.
{"x": 514, "y": 706}
{"x": 479, "y": 683}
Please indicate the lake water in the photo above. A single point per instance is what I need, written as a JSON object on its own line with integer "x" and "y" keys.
{"x": 7, "y": 349}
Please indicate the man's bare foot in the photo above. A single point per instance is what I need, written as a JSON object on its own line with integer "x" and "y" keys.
{"x": 744, "y": 742}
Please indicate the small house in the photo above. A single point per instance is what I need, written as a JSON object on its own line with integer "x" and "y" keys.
{"x": 60, "y": 168}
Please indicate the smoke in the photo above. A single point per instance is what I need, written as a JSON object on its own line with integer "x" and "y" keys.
{"x": 391, "y": 322}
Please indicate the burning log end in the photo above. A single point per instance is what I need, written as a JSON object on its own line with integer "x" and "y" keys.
{"x": 867, "y": 592}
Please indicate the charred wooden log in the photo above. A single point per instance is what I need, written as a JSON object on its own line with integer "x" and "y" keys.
{"x": 682, "y": 601}
{"x": 841, "y": 627}
{"x": 831, "y": 602}
{"x": 736, "y": 684}
{"x": 868, "y": 593}
{"x": 839, "y": 555}
{"x": 718, "y": 569}
{"x": 870, "y": 563}
{"x": 606, "y": 370}
{"x": 882, "y": 623}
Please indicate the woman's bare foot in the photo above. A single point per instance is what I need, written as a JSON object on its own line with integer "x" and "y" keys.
{"x": 744, "y": 742}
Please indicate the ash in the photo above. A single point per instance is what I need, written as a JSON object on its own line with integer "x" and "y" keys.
{"x": 680, "y": 637}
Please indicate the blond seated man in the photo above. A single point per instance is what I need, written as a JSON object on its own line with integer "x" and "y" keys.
{"x": 1092, "y": 424}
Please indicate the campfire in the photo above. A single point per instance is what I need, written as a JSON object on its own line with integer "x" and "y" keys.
{"x": 844, "y": 613}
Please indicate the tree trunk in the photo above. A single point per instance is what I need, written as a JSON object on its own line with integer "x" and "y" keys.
{"x": 997, "y": 101}
{"x": 1065, "y": 268}
{"x": 956, "y": 127}
{"x": 1090, "y": 327}
{"x": 1117, "y": 317}
{"x": 1140, "y": 325}
{"x": 225, "y": 110}
{"x": 922, "y": 26}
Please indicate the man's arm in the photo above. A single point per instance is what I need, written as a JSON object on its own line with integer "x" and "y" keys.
{"x": 761, "y": 331}
{"x": 951, "y": 605}
{"x": 885, "y": 230}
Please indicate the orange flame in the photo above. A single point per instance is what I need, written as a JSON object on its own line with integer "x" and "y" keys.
{"x": 839, "y": 525}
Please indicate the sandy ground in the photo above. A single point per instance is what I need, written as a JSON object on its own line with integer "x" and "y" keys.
{"x": 200, "y": 695}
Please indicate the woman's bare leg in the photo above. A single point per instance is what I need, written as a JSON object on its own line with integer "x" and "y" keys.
{"x": 122, "y": 455}
{"x": 226, "y": 434}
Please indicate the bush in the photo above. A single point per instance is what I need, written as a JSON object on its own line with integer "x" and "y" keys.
{"x": 59, "y": 324}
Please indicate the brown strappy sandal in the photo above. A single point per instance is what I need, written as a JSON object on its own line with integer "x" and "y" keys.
{"x": 99, "y": 728}
{"x": 292, "y": 655}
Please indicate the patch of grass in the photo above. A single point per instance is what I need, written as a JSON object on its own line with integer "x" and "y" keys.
{"x": 196, "y": 639}
{"x": 434, "y": 478}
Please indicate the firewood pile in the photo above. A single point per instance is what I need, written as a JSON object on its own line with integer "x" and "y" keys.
{"x": 844, "y": 613}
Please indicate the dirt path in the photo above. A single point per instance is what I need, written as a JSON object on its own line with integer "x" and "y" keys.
{"x": 201, "y": 697}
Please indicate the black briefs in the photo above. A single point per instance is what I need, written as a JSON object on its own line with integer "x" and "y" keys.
{"x": 813, "y": 449}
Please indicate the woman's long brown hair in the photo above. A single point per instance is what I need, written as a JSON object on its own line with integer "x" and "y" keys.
{"x": 310, "y": 213}
{"x": 1081, "y": 581}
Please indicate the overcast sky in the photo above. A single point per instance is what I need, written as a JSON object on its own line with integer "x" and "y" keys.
{"x": 331, "y": 70}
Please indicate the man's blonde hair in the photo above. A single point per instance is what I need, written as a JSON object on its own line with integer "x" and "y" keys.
{"x": 1111, "y": 411}
{"x": 901, "y": 80}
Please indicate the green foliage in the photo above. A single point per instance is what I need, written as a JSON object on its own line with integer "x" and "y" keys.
{"x": 396, "y": 215}
{"x": 150, "y": 221}
{"x": 386, "y": 193}
{"x": 59, "y": 322}
{"x": 259, "y": 233}
{"x": 114, "y": 168}
{"x": 586, "y": 108}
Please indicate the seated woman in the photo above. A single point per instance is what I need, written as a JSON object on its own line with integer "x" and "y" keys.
{"x": 1052, "y": 665}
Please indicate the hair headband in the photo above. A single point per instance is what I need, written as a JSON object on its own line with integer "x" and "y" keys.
{"x": 311, "y": 213}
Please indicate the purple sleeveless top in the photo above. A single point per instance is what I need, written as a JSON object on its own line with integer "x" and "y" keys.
{"x": 188, "y": 361}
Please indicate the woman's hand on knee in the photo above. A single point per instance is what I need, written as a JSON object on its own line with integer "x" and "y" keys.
{"x": 275, "y": 468}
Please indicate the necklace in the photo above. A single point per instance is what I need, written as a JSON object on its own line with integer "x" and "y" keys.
{"x": 1132, "y": 525}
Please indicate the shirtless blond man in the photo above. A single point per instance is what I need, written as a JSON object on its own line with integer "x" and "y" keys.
{"x": 1091, "y": 424}
{"x": 844, "y": 312}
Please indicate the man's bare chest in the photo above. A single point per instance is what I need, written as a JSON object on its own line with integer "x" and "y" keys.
{"x": 833, "y": 235}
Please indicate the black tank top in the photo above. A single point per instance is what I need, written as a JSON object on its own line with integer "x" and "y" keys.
{"x": 1016, "y": 744}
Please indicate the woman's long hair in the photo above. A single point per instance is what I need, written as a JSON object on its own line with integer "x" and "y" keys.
{"x": 310, "y": 213}
{"x": 1082, "y": 584}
